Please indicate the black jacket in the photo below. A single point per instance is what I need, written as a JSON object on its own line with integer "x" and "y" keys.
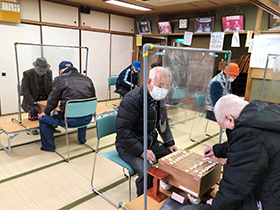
{"x": 253, "y": 164}
{"x": 69, "y": 85}
{"x": 30, "y": 86}
{"x": 129, "y": 125}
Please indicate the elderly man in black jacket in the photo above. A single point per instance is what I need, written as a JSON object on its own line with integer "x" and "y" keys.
{"x": 70, "y": 84}
{"x": 252, "y": 174}
{"x": 129, "y": 125}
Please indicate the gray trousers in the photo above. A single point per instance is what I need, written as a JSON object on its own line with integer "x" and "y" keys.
{"x": 137, "y": 164}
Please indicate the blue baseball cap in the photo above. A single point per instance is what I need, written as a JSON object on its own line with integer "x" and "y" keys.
{"x": 65, "y": 64}
{"x": 137, "y": 65}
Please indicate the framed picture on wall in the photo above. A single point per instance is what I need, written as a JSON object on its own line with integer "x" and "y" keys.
{"x": 274, "y": 22}
{"x": 144, "y": 27}
{"x": 183, "y": 23}
{"x": 164, "y": 27}
{"x": 233, "y": 23}
{"x": 204, "y": 25}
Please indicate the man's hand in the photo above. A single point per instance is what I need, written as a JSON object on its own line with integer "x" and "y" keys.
{"x": 41, "y": 115}
{"x": 208, "y": 152}
{"x": 150, "y": 156}
{"x": 210, "y": 201}
{"x": 135, "y": 86}
{"x": 172, "y": 148}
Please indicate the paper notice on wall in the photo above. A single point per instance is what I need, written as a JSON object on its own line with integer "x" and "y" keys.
{"x": 217, "y": 41}
{"x": 188, "y": 38}
{"x": 249, "y": 38}
{"x": 264, "y": 45}
{"x": 235, "y": 41}
{"x": 139, "y": 40}
{"x": 251, "y": 46}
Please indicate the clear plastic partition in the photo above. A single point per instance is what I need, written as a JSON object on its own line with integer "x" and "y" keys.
{"x": 27, "y": 53}
{"x": 271, "y": 85}
{"x": 191, "y": 72}
{"x": 183, "y": 84}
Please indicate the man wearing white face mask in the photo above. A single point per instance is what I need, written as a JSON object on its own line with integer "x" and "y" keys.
{"x": 129, "y": 125}
{"x": 217, "y": 88}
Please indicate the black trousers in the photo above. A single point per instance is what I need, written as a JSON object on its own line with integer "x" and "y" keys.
{"x": 137, "y": 164}
{"x": 123, "y": 92}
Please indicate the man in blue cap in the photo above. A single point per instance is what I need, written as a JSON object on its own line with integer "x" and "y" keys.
{"x": 128, "y": 79}
{"x": 70, "y": 84}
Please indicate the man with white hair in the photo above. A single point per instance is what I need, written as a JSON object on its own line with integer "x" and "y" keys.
{"x": 251, "y": 176}
{"x": 69, "y": 85}
{"x": 129, "y": 125}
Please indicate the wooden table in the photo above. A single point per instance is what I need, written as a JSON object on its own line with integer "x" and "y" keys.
{"x": 99, "y": 108}
{"x": 13, "y": 128}
{"x": 138, "y": 203}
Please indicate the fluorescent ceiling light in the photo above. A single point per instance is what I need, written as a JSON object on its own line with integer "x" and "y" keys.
{"x": 128, "y": 5}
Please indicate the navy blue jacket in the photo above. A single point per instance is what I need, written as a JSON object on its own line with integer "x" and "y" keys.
{"x": 124, "y": 79}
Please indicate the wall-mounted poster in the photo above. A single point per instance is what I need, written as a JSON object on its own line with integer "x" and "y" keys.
{"x": 233, "y": 23}
{"x": 164, "y": 27}
{"x": 144, "y": 27}
{"x": 204, "y": 24}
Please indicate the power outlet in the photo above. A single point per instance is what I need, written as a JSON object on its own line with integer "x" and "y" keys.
{"x": 3, "y": 74}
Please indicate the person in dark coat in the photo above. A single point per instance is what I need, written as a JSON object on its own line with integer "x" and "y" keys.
{"x": 69, "y": 85}
{"x": 251, "y": 175}
{"x": 128, "y": 79}
{"x": 36, "y": 83}
{"x": 129, "y": 125}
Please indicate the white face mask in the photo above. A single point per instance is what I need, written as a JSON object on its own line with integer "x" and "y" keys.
{"x": 230, "y": 79}
{"x": 158, "y": 93}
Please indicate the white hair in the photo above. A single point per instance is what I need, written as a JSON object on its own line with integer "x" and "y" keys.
{"x": 229, "y": 105}
{"x": 153, "y": 72}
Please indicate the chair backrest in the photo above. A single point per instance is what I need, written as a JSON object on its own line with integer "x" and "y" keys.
{"x": 20, "y": 90}
{"x": 112, "y": 81}
{"x": 80, "y": 107}
{"x": 179, "y": 93}
{"x": 106, "y": 125}
{"x": 200, "y": 100}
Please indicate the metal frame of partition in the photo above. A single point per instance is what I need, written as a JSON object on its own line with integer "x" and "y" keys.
{"x": 146, "y": 48}
{"x": 266, "y": 65}
{"x": 17, "y": 66}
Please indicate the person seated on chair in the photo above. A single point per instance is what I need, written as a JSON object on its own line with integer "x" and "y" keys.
{"x": 251, "y": 174}
{"x": 36, "y": 84}
{"x": 129, "y": 125}
{"x": 216, "y": 88}
{"x": 128, "y": 79}
{"x": 69, "y": 85}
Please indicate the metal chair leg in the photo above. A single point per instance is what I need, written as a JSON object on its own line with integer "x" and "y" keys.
{"x": 67, "y": 144}
{"x": 61, "y": 156}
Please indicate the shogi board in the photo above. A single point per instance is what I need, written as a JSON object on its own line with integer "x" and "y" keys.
{"x": 190, "y": 172}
